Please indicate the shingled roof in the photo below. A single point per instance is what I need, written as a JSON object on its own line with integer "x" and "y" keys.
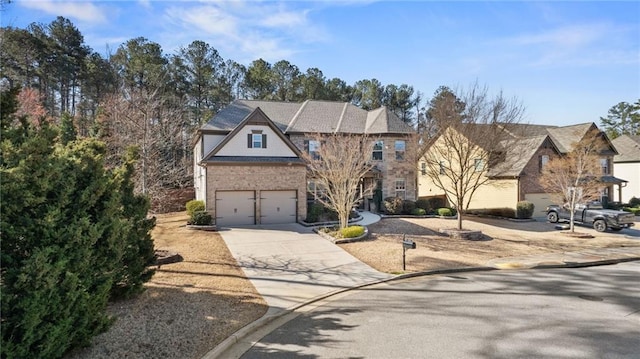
{"x": 628, "y": 148}
{"x": 311, "y": 116}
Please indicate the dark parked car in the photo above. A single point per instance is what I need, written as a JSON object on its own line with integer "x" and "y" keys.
{"x": 592, "y": 214}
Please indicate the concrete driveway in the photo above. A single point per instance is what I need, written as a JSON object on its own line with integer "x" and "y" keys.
{"x": 290, "y": 264}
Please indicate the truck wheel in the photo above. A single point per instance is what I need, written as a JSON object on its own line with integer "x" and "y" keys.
{"x": 552, "y": 217}
{"x": 600, "y": 225}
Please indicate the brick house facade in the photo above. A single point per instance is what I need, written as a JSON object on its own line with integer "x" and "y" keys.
{"x": 249, "y": 154}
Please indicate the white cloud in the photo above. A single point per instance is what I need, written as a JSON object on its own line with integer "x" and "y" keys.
{"x": 575, "y": 45}
{"x": 571, "y": 36}
{"x": 82, "y": 11}
{"x": 270, "y": 30}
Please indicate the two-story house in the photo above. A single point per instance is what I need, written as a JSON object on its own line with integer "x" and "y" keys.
{"x": 247, "y": 159}
{"x": 516, "y": 176}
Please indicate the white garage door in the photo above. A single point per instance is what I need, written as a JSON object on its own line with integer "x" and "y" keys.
{"x": 235, "y": 208}
{"x": 540, "y": 201}
{"x": 278, "y": 207}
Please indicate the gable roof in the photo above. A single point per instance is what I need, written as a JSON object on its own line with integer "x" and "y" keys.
{"x": 628, "y": 148}
{"x": 565, "y": 137}
{"x": 311, "y": 116}
{"x": 255, "y": 117}
{"x": 518, "y": 153}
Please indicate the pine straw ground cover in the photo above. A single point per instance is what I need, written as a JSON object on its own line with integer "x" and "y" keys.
{"x": 188, "y": 307}
{"x": 502, "y": 239}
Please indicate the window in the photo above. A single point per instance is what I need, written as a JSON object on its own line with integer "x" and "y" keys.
{"x": 400, "y": 188}
{"x": 604, "y": 164}
{"x": 423, "y": 168}
{"x": 544, "y": 159}
{"x": 442, "y": 167}
{"x": 257, "y": 140}
{"x": 478, "y": 165}
{"x": 400, "y": 149}
{"x": 313, "y": 148}
{"x": 377, "y": 151}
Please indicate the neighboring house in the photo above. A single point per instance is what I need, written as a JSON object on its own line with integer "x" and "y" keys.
{"x": 515, "y": 177}
{"x": 248, "y": 166}
{"x": 627, "y": 165}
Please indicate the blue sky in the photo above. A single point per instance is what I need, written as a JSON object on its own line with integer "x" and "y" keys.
{"x": 567, "y": 62}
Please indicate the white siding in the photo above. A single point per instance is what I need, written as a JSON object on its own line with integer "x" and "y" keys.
{"x": 199, "y": 173}
{"x": 237, "y": 146}
{"x": 629, "y": 172}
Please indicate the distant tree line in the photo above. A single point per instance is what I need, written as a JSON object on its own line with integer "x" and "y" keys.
{"x": 141, "y": 96}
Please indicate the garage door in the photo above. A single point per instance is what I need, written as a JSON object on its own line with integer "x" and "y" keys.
{"x": 540, "y": 201}
{"x": 235, "y": 208}
{"x": 278, "y": 207}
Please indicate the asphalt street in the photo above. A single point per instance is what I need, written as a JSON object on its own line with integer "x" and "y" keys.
{"x": 553, "y": 313}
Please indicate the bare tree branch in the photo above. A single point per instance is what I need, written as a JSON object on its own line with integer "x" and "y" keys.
{"x": 338, "y": 166}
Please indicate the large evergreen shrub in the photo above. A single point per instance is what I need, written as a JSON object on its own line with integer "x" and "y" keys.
{"x": 73, "y": 234}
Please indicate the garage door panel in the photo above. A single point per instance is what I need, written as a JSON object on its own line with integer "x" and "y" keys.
{"x": 235, "y": 208}
{"x": 541, "y": 201}
{"x": 278, "y": 207}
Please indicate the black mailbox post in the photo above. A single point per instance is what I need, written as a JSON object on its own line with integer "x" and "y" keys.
{"x": 406, "y": 244}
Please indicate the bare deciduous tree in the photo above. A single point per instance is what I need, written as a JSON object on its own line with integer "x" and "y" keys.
{"x": 145, "y": 120}
{"x": 470, "y": 141}
{"x": 338, "y": 166}
{"x": 574, "y": 178}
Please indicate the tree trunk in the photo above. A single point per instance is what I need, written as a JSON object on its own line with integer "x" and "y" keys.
{"x": 344, "y": 219}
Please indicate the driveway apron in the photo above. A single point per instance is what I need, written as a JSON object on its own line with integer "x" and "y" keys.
{"x": 290, "y": 264}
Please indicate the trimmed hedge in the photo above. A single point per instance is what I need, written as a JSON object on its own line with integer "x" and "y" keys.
{"x": 496, "y": 212}
{"x": 419, "y": 212}
{"x": 634, "y": 202}
{"x": 408, "y": 206}
{"x": 201, "y": 218}
{"x": 423, "y": 204}
{"x": 446, "y": 212}
{"x": 194, "y": 206}
{"x": 524, "y": 209}
{"x": 635, "y": 211}
{"x": 352, "y": 232}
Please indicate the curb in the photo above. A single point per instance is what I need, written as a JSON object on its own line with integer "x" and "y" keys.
{"x": 267, "y": 318}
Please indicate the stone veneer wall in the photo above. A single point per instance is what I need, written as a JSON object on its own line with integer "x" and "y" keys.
{"x": 390, "y": 168}
{"x": 257, "y": 177}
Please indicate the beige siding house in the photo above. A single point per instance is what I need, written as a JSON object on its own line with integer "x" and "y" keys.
{"x": 249, "y": 168}
{"x": 627, "y": 165}
{"x": 516, "y": 176}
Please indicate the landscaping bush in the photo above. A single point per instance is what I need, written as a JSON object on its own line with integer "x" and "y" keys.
{"x": 393, "y": 205}
{"x": 436, "y": 202}
{"x": 424, "y": 204}
{"x": 201, "y": 218}
{"x": 314, "y": 212}
{"x": 352, "y": 231}
{"x": 418, "y": 212}
{"x": 635, "y": 211}
{"x": 446, "y": 212}
{"x": 408, "y": 206}
{"x": 634, "y": 202}
{"x": 524, "y": 209}
{"x": 194, "y": 206}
